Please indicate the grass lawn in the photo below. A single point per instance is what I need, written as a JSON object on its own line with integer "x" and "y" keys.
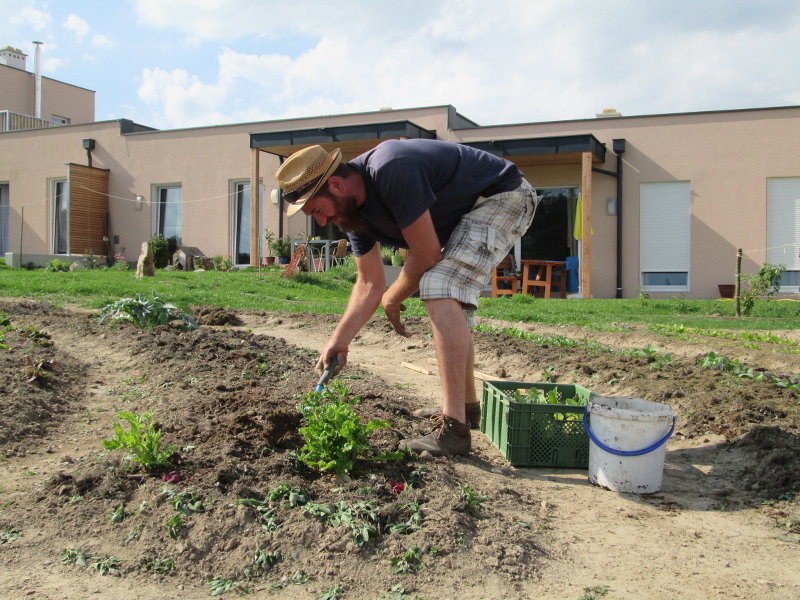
{"x": 328, "y": 293}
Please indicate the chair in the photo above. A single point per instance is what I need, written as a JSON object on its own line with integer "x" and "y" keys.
{"x": 505, "y": 274}
{"x": 340, "y": 254}
{"x": 315, "y": 261}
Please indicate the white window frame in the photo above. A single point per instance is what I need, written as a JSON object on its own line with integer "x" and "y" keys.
{"x": 5, "y": 213}
{"x": 155, "y": 195}
{"x": 783, "y": 224}
{"x": 233, "y": 194}
{"x": 665, "y": 221}
{"x": 52, "y": 186}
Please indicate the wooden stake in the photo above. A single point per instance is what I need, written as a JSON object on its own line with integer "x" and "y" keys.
{"x": 422, "y": 370}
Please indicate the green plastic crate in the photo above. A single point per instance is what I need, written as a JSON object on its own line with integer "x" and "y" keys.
{"x": 529, "y": 435}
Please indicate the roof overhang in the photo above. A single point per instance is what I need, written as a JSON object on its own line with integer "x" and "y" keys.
{"x": 351, "y": 139}
{"x": 559, "y": 150}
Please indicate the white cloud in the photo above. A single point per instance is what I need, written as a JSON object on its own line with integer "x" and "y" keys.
{"x": 102, "y": 41}
{"x": 37, "y": 19}
{"x": 519, "y": 61}
{"x": 51, "y": 65}
{"x": 77, "y": 25}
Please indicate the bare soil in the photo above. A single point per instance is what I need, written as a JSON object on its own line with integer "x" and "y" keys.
{"x": 725, "y": 524}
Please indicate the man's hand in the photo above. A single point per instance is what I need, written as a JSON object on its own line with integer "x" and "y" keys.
{"x": 393, "y": 311}
{"x": 325, "y": 358}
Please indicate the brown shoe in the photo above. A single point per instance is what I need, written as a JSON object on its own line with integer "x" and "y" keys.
{"x": 473, "y": 413}
{"x": 449, "y": 438}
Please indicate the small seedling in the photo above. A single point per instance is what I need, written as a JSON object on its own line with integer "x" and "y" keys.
{"x": 594, "y": 592}
{"x": 163, "y": 567}
{"x": 262, "y": 561}
{"x": 470, "y": 498}
{"x": 174, "y": 526}
{"x": 409, "y": 562}
{"x": 108, "y": 565}
{"x": 217, "y": 587}
{"x": 294, "y": 496}
{"x": 118, "y": 515}
{"x": 36, "y": 369}
{"x": 188, "y": 503}
{"x": 331, "y": 593}
{"x": 70, "y": 556}
{"x": 135, "y": 533}
{"x": 8, "y": 534}
{"x": 268, "y": 520}
{"x": 396, "y": 592}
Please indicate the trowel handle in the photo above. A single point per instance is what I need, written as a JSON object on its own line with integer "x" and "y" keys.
{"x": 328, "y": 373}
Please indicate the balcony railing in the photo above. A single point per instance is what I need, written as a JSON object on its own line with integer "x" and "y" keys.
{"x": 11, "y": 121}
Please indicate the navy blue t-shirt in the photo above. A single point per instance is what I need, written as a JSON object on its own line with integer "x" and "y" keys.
{"x": 404, "y": 178}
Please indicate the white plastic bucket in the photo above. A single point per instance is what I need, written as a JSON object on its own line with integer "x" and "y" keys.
{"x": 628, "y": 438}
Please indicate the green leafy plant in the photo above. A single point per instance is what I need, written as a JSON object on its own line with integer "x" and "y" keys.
{"x": 223, "y": 262}
{"x": 217, "y": 587}
{"x": 333, "y": 592}
{"x": 294, "y": 496}
{"x": 36, "y": 369}
{"x": 162, "y": 567}
{"x": 118, "y": 515}
{"x": 146, "y": 311}
{"x": 107, "y": 565}
{"x": 334, "y": 435}
{"x": 414, "y": 522}
{"x": 57, "y": 266}
{"x": 262, "y": 561}
{"x": 162, "y": 248}
{"x": 267, "y": 514}
{"x": 175, "y": 525}
{"x": 188, "y": 503}
{"x": 8, "y": 534}
{"x": 470, "y": 498}
{"x": 408, "y": 562}
{"x": 282, "y": 247}
{"x": 90, "y": 259}
{"x": 766, "y": 282}
{"x": 70, "y": 556}
{"x": 142, "y": 441}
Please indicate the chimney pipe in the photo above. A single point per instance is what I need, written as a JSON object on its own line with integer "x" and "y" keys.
{"x": 37, "y": 69}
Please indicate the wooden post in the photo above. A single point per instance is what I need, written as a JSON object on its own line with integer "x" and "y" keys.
{"x": 586, "y": 224}
{"x": 255, "y": 255}
{"x": 737, "y": 283}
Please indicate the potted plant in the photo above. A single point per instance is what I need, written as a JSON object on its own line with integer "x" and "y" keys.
{"x": 269, "y": 242}
{"x": 386, "y": 255}
{"x": 397, "y": 259}
{"x": 282, "y": 248}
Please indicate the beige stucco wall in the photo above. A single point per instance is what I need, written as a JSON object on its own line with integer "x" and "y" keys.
{"x": 17, "y": 94}
{"x": 203, "y": 161}
{"x": 727, "y": 157}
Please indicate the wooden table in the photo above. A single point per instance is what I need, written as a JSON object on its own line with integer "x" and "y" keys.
{"x": 537, "y": 275}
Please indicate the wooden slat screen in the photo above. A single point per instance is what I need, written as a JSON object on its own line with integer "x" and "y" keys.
{"x": 88, "y": 209}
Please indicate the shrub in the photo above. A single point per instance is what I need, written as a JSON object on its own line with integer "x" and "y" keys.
{"x": 145, "y": 311}
{"x": 282, "y": 247}
{"x": 223, "y": 263}
{"x": 163, "y": 249}
{"x": 766, "y": 282}
{"x": 57, "y": 265}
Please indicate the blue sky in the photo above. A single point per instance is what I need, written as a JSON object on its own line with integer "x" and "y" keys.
{"x": 183, "y": 63}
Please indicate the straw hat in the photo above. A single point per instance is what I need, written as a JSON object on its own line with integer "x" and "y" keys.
{"x": 304, "y": 172}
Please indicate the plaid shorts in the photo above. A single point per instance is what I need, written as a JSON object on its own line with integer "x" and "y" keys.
{"x": 479, "y": 242}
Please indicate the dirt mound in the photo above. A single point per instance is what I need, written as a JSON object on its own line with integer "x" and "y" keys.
{"x": 214, "y": 315}
{"x": 776, "y": 468}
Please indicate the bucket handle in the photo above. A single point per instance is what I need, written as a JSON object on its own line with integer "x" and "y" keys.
{"x": 647, "y": 450}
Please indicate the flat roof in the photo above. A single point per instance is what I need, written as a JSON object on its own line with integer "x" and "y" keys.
{"x": 351, "y": 139}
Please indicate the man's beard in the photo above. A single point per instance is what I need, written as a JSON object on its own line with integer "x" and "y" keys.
{"x": 348, "y": 219}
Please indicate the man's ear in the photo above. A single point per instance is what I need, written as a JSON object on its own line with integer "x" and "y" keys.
{"x": 336, "y": 184}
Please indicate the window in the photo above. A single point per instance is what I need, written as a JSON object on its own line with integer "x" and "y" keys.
{"x": 59, "y": 120}
{"x": 59, "y": 201}
{"x": 240, "y": 209}
{"x": 168, "y": 212}
{"x": 664, "y": 236}
{"x": 3, "y": 219}
{"x": 783, "y": 228}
